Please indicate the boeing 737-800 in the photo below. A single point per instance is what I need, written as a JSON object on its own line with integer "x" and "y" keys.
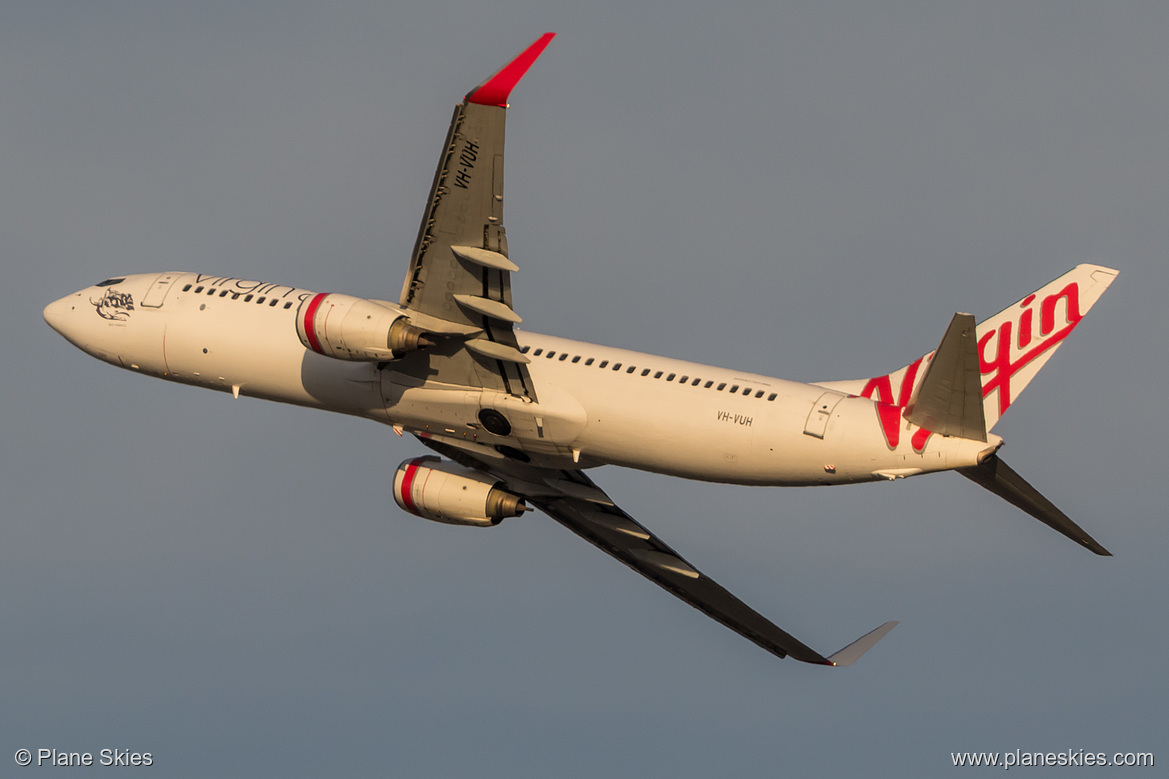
{"x": 517, "y": 419}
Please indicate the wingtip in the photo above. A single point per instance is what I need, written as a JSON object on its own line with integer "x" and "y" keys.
{"x": 851, "y": 653}
{"x": 495, "y": 90}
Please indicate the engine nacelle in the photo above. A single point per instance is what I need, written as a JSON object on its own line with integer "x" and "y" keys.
{"x": 350, "y": 328}
{"x": 443, "y": 491}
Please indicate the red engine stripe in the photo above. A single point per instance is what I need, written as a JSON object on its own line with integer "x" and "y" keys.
{"x": 310, "y": 313}
{"x": 408, "y": 485}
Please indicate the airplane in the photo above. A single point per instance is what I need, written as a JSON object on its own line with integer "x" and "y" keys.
{"x": 514, "y": 420}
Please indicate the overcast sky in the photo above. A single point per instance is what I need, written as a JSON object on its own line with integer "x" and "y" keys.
{"x": 808, "y": 191}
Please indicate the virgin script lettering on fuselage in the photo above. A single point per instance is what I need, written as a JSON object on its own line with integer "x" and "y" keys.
{"x": 246, "y": 287}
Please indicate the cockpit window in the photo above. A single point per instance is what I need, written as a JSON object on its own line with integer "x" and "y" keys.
{"x": 110, "y": 282}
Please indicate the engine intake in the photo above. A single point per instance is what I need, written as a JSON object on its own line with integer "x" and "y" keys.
{"x": 350, "y": 328}
{"x": 443, "y": 491}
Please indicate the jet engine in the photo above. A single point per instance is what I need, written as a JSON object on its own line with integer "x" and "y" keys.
{"x": 350, "y": 328}
{"x": 443, "y": 491}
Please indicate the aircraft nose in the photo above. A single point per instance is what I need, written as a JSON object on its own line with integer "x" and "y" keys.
{"x": 64, "y": 317}
{"x": 56, "y": 314}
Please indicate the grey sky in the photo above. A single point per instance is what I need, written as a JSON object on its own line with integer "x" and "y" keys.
{"x": 808, "y": 191}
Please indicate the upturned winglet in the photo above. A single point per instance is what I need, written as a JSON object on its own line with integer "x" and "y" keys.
{"x": 494, "y": 91}
{"x": 851, "y": 653}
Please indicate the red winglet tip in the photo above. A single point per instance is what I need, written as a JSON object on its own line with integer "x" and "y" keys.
{"x": 494, "y": 91}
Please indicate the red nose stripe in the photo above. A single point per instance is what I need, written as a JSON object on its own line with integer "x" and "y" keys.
{"x": 310, "y": 313}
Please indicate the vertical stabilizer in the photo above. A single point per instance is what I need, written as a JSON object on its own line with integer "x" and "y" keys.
{"x": 1015, "y": 343}
{"x": 1011, "y": 346}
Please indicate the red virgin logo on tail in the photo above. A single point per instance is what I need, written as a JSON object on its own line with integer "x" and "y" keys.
{"x": 995, "y": 347}
{"x": 889, "y": 410}
{"x": 1002, "y": 353}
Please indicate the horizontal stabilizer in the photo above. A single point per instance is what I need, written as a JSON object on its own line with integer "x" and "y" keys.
{"x": 949, "y": 398}
{"x": 997, "y": 476}
{"x": 851, "y": 653}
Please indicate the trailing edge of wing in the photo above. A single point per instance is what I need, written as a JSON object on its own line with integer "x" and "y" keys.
{"x": 996, "y": 476}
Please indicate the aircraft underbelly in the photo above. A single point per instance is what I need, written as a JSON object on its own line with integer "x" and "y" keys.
{"x": 203, "y": 346}
{"x": 786, "y": 442}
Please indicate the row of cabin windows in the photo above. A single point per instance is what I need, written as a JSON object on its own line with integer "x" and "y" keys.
{"x": 237, "y": 295}
{"x": 684, "y": 379}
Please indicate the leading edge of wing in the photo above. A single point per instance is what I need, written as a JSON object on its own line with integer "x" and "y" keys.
{"x": 609, "y": 528}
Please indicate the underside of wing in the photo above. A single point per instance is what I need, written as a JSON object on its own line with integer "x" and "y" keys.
{"x": 460, "y": 272}
{"x": 573, "y": 500}
{"x": 612, "y": 530}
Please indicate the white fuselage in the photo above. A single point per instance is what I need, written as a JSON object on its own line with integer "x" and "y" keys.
{"x": 596, "y": 404}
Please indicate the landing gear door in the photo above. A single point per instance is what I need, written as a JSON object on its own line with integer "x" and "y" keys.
{"x": 820, "y": 414}
{"x": 549, "y": 427}
{"x": 508, "y": 416}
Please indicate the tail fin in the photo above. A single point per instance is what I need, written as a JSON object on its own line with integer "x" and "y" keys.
{"x": 1012, "y": 345}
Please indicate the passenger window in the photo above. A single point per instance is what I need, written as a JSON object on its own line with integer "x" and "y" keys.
{"x": 759, "y": 394}
{"x": 603, "y": 363}
{"x": 260, "y": 302}
{"x": 616, "y": 366}
{"x": 771, "y": 396}
{"x": 211, "y": 290}
{"x": 708, "y": 385}
{"x": 198, "y": 290}
{"x": 248, "y": 298}
{"x": 563, "y": 356}
{"x": 576, "y": 358}
{"x": 695, "y": 382}
{"x": 631, "y": 369}
{"x": 684, "y": 379}
{"x": 658, "y": 375}
{"x": 589, "y": 361}
{"x": 645, "y": 372}
{"x": 722, "y": 386}
{"x": 734, "y": 388}
{"x": 550, "y": 354}
{"x": 288, "y": 304}
{"x": 671, "y": 377}
{"x": 223, "y": 294}
{"x": 747, "y": 391}
{"x": 537, "y": 352}
{"x": 187, "y": 288}
{"x": 274, "y": 302}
